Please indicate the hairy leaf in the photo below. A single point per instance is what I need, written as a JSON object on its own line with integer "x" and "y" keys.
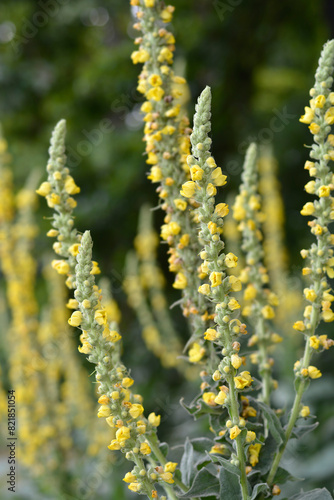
{"x": 318, "y": 494}
{"x": 204, "y": 485}
{"x": 229, "y": 485}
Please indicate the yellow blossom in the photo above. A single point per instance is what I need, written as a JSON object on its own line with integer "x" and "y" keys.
{"x": 100, "y": 316}
{"x": 180, "y": 281}
{"x": 167, "y": 477}
{"x": 235, "y": 283}
{"x": 236, "y": 361}
{"x": 308, "y": 116}
{"x": 324, "y": 191}
{"x": 233, "y": 304}
{"x": 204, "y": 289}
{"x": 170, "y": 466}
{"x": 196, "y": 173}
{"x": 104, "y": 411}
{"x": 140, "y": 56}
{"x": 254, "y": 451}
{"x": 155, "y": 174}
{"x": 70, "y": 186}
{"x": 222, "y": 209}
{"x": 145, "y": 449}
{"x": 218, "y": 177}
{"x": 211, "y": 190}
{"x": 127, "y": 382}
{"x": 310, "y": 294}
{"x": 122, "y": 434}
{"x": 209, "y": 398}
{"x": 44, "y": 189}
{"x": 231, "y": 260}
{"x": 155, "y": 93}
{"x": 114, "y": 445}
{"x": 154, "y": 419}
{"x": 136, "y": 410}
{"x": 299, "y": 326}
{"x": 308, "y": 209}
{"x": 180, "y": 204}
{"x": 250, "y": 292}
{"x": 155, "y": 80}
{"x": 211, "y": 334}
{"x": 75, "y": 319}
{"x": 268, "y": 312}
{"x": 215, "y": 278}
{"x": 220, "y": 399}
{"x": 129, "y": 477}
{"x": 313, "y": 372}
{"x": 72, "y": 304}
{"x": 314, "y": 342}
{"x": 188, "y": 189}
{"x": 135, "y": 487}
{"x": 304, "y": 412}
{"x": 329, "y": 116}
{"x": 196, "y": 353}
{"x": 234, "y": 432}
{"x": 243, "y": 380}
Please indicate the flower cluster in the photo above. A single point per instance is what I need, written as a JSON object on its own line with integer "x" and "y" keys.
{"x": 167, "y": 147}
{"x": 260, "y": 301}
{"x": 58, "y": 191}
{"x": 206, "y": 177}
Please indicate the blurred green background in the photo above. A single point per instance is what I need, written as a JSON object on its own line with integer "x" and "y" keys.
{"x": 71, "y": 59}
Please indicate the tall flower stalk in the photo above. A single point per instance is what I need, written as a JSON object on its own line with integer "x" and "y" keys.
{"x": 206, "y": 176}
{"x": 319, "y": 116}
{"x": 259, "y": 300}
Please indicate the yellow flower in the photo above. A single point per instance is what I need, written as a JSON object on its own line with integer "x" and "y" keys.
{"x": 218, "y": 178}
{"x": 70, "y": 186}
{"x": 250, "y": 292}
{"x": 188, "y": 189}
{"x": 127, "y": 382}
{"x": 313, "y": 372}
{"x": 231, "y": 260}
{"x": 310, "y": 187}
{"x": 122, "y": 434}
{"x": 75, "y": 319}
{"x": 233, "y": 304}
{"x": 134, "y": 487}
{"x": 319, "y": 101}
{"x": 308, "y": 209}
{"x": 114, "y": 445}
{"x": 72, "y": 304}
{"x": 103, "y": 400}
{"x": 61, "y": 266}
{"x": 329, "y": 116}
{"x": 196, "y": 353}
{"x": 156, "y": 93}
{"x": 234, "y": 432}
{"x": 243, "y": 380}
{"x": 220, "y": 399}
{"x": 222, "y": 209}
{"x": 254, "y": 451}
{"x": 155, "y": 174}
{"x": 104, "y": 411}
{"x": 145, "y": 449}
{"x": 211, "y": 190}
{"x": 236, "y": 361}
{"x": 275, "y": 338}
{"x": 180, "y": 204}
{"x": 136, "y": 410}
{"x": 235, "y": 283}
{"x": 111, "y": 335}
{"x": 95, "y": 268}
{"x": 140, "y": 56}
{"x": 170, "y": 466}
{"x": 304, "y": 412}
{"x": 173, "y": 112}
{"x": 167, "y": 477}
{"x": 52, "y": 200}
{"x": 299, "y": 326}
{"x": 209, "y": 398}
{"x": 146, "y": 107}
{"x": 86, "y": 348}
{"x": 215, "y": 278}
{"x": 196, "y": 173}
{"x": 268, "y": 312}
{"x": 149, "y": 3}
{"x": 250, "y": 436}
{"x": 180, "y": 281}
{"x": 155, "y": 80}
{"x": 100, "y": 316}
{"x": 310, "y": 294}
{"x": 314, "y": 128}
{"x": 74, "y": 249}
{"x": 129, "y": 477}
{"x": 308, "y": 116}
{"x": 204, "y": 289}
{"x": 324, "y": 191}
{"x": 44, "y": 189}
{"x": 211, "y": 334}
{"x": 154, "y": 419}
{"x": 165, "y": 55}
{"x": 314, "y": 342}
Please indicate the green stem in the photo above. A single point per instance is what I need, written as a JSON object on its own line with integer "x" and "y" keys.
{"x": 240, "y": 448}
{"x": 298, "y": 397}
{"x": 266, "y": 376}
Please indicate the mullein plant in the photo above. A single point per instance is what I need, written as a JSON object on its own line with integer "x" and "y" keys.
{"x": 276, "y": 258}
{"x": 133, "y": 434}
{"x": 166, "y": 135}
{"x": 260, "y": 302}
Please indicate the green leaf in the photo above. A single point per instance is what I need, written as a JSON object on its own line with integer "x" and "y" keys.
{"x": 318, "y": 494}
{"x": 275, "y": 425}
{"x": 229, "y": 485}
{"x": 204, "y": 485}
{"x": 301, "y": 430}
{"x": 260, "y": 488}
{"x": 186, "y": 465}
{"x": 194, "y": 454}
{"x": 226, "y": 464}
{"x": 197, "y": 408}
{"x": 267, "y": 454}
{"x": 282, "y": 476}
